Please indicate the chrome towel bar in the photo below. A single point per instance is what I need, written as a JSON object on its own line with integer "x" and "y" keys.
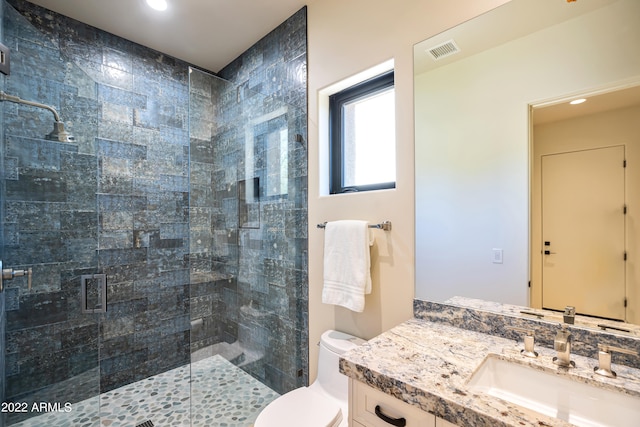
{"x": 384, "y": 225}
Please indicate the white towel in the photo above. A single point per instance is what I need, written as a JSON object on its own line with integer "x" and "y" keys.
{"x": 347, "y": 263}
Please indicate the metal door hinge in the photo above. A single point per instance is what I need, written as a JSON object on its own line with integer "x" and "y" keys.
{"x": 625, "y": 255}
{"x": 624, "y": 163}
{"x": 624, "y": 209}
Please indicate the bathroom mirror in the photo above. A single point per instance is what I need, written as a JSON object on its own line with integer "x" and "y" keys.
{"x": 478, "y": 89}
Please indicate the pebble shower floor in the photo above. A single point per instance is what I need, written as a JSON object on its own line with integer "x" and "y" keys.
{"x": 222, "y": 395}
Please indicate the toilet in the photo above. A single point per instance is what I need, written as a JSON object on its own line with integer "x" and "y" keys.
{"x": 324, "y": 403}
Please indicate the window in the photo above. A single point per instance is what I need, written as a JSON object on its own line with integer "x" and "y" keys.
{"x": 362, "y": 136}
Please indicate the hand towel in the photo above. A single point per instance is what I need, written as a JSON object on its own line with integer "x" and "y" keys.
{"x": 347, "y": 263}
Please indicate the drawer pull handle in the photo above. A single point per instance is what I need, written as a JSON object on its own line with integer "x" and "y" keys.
{"x": 398, "y": 422}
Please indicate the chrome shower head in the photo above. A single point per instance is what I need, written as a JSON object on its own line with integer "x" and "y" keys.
{"x": 58, "y": 133}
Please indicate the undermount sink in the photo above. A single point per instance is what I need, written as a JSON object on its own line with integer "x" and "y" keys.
{"x": 555, "y": 395}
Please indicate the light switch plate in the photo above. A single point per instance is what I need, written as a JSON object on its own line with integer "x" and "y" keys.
{"x": 497, "y": 255}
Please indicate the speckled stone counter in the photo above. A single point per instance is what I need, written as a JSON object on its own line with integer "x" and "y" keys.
{"x": 428, "y": 364}
{"x": 500, "y": 309}
{"x": 501, "y": 319}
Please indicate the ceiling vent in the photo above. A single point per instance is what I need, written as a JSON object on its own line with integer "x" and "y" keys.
{"x": 443, "y": 50}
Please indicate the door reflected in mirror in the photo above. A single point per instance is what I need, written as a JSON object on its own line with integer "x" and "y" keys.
{"x": 583, "y": 157}
{"x": 486, "y": 117}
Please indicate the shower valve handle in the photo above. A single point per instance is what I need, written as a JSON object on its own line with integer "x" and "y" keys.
{"x": 10, "y": 273}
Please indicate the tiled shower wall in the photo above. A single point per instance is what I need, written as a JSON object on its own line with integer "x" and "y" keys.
{"x": 116, "y": 201}
{"x": 252, "y": 253}
{"x": 270, "y": 304}
{"x": 248, "y": 209}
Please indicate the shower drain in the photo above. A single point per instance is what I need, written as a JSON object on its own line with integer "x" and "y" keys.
{"x": 147, "y": 423}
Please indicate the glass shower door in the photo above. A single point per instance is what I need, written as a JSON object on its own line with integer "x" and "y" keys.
{"x": 52, "y": 328}
{"x": 248, "y": 250}
{"x": 49, "y": 219}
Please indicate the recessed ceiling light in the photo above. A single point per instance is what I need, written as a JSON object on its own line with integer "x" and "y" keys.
{"x": 157, "y": 4}
{"x": 577, "y": 101}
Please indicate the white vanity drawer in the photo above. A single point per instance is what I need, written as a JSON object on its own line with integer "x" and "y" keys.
{"x": 364, "y": 400}
{"x": 444, "y": 423}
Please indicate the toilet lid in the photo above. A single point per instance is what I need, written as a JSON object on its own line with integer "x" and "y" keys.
{"x": 300, "y": 407}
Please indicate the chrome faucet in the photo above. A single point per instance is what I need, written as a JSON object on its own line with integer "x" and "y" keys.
{"x": 604, "y": 359}
{"x": 569, "y": 315}
{"x": 562, "y": 344}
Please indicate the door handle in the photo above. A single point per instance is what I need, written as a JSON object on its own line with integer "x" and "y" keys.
{"x": 398, "y": 422}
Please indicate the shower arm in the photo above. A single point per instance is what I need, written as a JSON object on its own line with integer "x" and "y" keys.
{"x": 58, "y": 133}
{"x": 6, "y": 97}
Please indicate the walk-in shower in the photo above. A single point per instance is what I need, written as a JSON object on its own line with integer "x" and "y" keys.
{"x": 166, "y": 239}
{"x": 58, "y": 133}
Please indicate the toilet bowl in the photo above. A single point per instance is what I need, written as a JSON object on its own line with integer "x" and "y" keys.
{"x": 324, "y": 403}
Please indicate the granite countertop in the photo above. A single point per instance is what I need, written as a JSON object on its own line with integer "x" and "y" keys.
{"x": 428, "y": 364}
{"x": 548, "y": 315}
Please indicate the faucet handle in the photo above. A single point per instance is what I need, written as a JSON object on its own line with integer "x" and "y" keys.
{"x": 609, "y": 348}
{"x": 604, "y": 359}
{"x": 529, "y": 341}
{"x": 10, "y": 273}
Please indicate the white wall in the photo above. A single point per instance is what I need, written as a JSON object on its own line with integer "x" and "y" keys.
{"x": 473, "y": 151}
{"x": 345, "y": 38}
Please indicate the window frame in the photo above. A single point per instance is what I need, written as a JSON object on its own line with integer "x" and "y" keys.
{"x": 336, "y": 133}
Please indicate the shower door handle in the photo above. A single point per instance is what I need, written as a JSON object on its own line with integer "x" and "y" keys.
{"x": 93, "y": 289}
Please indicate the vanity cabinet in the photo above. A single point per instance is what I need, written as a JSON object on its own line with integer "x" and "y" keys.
{"x": 363, "y": 401}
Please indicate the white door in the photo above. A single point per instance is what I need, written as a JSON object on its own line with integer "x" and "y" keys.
{"x": 583, "y": 225}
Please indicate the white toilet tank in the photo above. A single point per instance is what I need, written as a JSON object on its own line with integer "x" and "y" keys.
{"x": 330, "y": 381}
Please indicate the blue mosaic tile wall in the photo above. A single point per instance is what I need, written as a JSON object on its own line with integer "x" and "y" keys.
{"x": 250, "y": 205}
{"x": 107, "y": 203}
{"x": 124, "y": 200}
